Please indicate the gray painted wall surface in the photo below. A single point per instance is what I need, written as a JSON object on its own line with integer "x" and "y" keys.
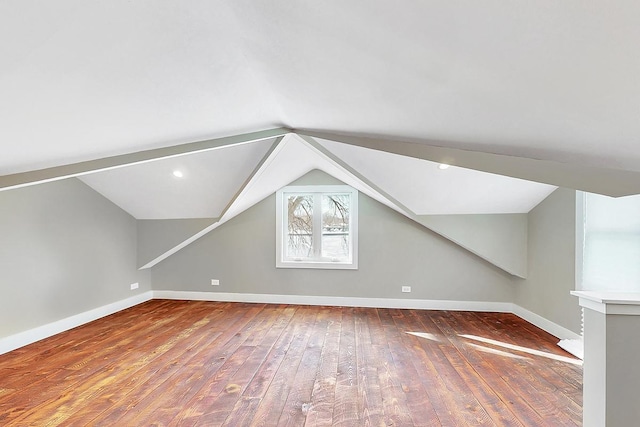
{"x": 393, "y": 251}
{"x": 156, "y": 236}
{"x": 611, "y": 371}
{"x": 65, "y": 249}
{"x": 500, "y": 238}
{"x": 551, "y": 253}
{"x": 622, "y": 370}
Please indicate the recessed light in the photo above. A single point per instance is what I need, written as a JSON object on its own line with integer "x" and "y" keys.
{"x": 443, "y": 166}
{"x": 178, "y": 174}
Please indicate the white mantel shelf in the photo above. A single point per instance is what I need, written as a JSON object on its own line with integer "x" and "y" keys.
{"x": 626, "y": 303}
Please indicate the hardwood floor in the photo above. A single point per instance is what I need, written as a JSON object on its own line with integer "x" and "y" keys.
{"x": 188, "y": 363}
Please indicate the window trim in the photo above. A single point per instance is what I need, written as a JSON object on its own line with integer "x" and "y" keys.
{"x": 281, "y": 227}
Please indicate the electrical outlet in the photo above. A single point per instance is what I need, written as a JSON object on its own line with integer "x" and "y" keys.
{"x": 134, "y": 286}
{"x": 406, "y": 289}
{"x": 215, "y": 282}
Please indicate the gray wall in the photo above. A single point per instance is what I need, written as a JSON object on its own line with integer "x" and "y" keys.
{"x": 157, "y": 236}
{"x": 611, "y": 371}
{"x": 551, "y": 253}
{"x": 393, "y": 251}
{"x": 498, "y": 238}
{"x": 65, "y": 249}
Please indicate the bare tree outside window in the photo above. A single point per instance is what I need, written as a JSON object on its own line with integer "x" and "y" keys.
{"x": 317, "y": 227}
{"x": 334, "y": 234}
{"x": 300, "y": 226}
{"x": 335, "y": 226}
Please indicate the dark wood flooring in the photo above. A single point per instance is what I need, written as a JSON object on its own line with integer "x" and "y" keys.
{"x": 188, "y": 363}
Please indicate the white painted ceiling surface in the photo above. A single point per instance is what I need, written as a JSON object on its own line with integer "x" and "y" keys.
{"x": 427, "y": 190}
{"x": 292, "y": 159}
{"x": 554, "y": 80}
{"x": 210, "y": 181}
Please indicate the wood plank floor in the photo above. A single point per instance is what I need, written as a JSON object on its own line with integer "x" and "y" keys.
{"x": 189, "y": 363}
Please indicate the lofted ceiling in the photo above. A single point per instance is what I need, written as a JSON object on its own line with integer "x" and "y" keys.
{"x": 292, "y": 156}
{"x": 210, "y": 181}
{"x": 548, "y": 90}
{"x": 426, "y": 189}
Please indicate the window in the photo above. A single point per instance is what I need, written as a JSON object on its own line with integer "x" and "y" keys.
{"x": 317, "y": 227}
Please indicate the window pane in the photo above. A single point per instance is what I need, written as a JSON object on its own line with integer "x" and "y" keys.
{"x": 299, "y": 226}
{"x": 335, "y": 226}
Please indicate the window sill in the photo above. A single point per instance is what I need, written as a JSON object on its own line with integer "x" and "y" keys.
{"x": 318, "y": 265}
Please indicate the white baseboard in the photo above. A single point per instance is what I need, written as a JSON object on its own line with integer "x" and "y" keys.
{"x": 27, "y": 337}
{"x": 30, "y": 336}
{"x": 545, "y": 324}
{"x": 500, "y": 307}
{"x": 503, "y": 307}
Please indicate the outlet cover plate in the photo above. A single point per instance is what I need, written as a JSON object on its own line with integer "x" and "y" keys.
{"x": 215, "y": 282}
{"x": 406, "y": 289}
{"x": 134, "y": 286}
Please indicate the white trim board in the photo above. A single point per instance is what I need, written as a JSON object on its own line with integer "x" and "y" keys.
{"x": 30, "y": 336}
{"x": 501, "y": 307}
{"x": 545, "y": 324}
{"x": 56, "y": 173}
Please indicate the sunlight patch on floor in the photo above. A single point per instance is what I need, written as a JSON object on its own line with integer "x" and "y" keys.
{"x": 523, "y": 349}
{"x": 497, "y": 352}
{"x": 426, "y": 335}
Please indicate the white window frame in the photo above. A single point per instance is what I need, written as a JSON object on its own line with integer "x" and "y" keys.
{"x": 281, "y": 227}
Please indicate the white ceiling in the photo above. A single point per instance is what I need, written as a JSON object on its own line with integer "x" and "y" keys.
{"x": 291, "y": 159}
{"x": 210, "y": 181}
{"x": 223, "y": 182}
{"x": 554, "y": 80}
{"x": 427, "y": 190}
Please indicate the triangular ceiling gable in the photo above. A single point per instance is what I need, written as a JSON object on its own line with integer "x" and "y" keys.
{"x": 289, "y": 159}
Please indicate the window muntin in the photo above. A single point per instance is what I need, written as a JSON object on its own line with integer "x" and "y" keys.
{"x": 317, "y": 227}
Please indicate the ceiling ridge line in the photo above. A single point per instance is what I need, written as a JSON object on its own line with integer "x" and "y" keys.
{"x": 264, "y": 163}
{"x": 327, "y": 156}
{"x": 271, "y": 154}
{"x": 56, "y": 173}
{"x": 398, "y": 206}
{"x": 267, "y": 159}
{"x": 409, "y": 213}
{"x": 593, "y": 179}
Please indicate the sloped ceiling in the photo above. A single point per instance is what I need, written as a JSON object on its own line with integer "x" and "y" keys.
{"x": 212, "y": 179}
{"x": 288, "y": 159}
{"x": 209, "y": 181}
{"x": 545, "y": 80}
{"x": 427, "y": 190}
{"x": 293, "y": 156}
